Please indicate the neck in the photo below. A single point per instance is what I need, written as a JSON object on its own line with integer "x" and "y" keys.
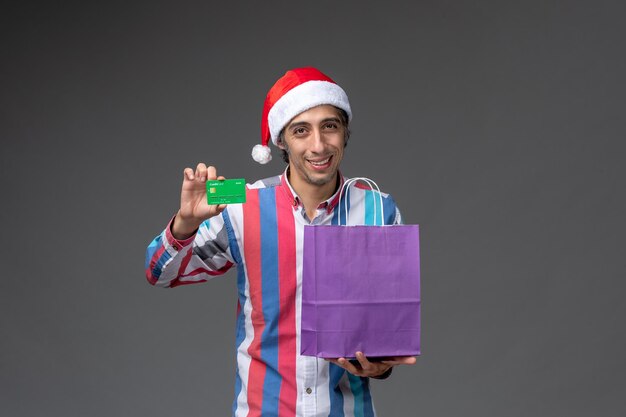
{"x": 313, "y": 195}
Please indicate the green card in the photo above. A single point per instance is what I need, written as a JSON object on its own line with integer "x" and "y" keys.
{"x": 226, "y": 191}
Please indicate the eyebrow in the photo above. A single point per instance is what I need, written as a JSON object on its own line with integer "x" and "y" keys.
{"x": 332, "y": 119}
{"x": 328, "y": 119}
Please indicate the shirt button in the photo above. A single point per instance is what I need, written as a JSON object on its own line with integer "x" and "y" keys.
{"x": 309, "y": 390}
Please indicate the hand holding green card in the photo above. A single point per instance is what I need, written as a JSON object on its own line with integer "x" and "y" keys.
{"x": 232, "y": 191}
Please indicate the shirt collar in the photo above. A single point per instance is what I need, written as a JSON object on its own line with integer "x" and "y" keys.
{"x": 329, "y": 204}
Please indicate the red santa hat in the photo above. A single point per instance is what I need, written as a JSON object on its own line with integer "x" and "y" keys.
{"x": 298, "y": 90}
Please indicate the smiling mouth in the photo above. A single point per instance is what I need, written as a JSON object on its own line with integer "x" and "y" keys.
{"x": 321, "y": 163}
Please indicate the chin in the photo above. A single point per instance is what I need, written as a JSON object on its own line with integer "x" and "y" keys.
{"x": 321, "y": 180}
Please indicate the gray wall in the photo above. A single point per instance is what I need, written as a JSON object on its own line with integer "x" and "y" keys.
{"x": 498, "y": 126}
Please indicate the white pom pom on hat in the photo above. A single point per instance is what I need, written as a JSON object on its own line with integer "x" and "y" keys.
{"x": 262, "y": 154}
{"x": 298, "y": 90}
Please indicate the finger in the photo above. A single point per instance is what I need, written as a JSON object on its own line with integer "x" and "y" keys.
{"x": 365, "y": 364}
{"x": 406, "y": 360}
{"x": 220, "y": 208}
{"x": 221, "y": 178}
{"x": 201, "y": 172}
{"x": 401, "y": 360}
{"x": 211, "y": 173}
{"x": 348, "y": 366}
{"x": 188, "y": 174}
{"x": 345, "y": 364}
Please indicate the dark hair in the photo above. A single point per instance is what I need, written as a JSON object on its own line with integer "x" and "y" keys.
{"x": 343, "y": 118}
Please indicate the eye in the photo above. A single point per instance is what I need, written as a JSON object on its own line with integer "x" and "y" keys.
{"x": 298, "y": 131}
{"x": 331, "y": 126}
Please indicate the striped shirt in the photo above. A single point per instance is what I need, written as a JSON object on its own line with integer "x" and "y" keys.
{"x": 264, "y": 238}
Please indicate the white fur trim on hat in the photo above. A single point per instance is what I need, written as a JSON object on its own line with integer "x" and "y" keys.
{"x": 261, "y": 154}
{"x": 302, "y": 98}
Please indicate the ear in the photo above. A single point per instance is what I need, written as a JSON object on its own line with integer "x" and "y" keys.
{"x": 280, "y": 144}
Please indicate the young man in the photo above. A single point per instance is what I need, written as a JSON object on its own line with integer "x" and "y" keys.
{"x": 306, "y": 114}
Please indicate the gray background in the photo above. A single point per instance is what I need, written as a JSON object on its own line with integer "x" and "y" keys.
{"x": 497, "y": 125}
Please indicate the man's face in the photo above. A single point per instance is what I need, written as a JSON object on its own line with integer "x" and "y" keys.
{"x": 314, "y": 140}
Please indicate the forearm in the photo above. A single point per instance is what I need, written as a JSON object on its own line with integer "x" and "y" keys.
{"x": 171, "y": 262}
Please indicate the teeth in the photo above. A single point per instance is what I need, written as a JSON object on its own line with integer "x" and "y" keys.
{"x": 319, "y": 163}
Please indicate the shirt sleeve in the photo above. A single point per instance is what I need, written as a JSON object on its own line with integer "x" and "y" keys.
{"x": 171, "y": 262}
{"x": 391, "y": 211}
{"x": 398, "y": 218}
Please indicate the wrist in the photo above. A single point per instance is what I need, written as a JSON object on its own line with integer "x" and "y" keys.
{"x": 385, "y": 374}
{"x": 183, "y": 228}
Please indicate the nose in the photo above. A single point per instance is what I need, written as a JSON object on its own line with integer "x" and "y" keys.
{"x": 317, "y": 141}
